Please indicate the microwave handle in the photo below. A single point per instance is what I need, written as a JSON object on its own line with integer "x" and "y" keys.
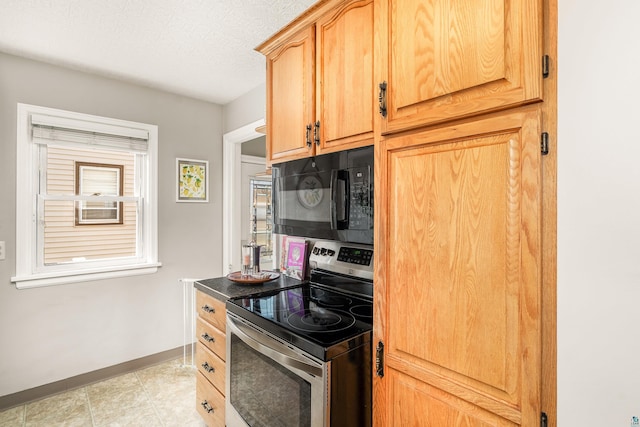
{"x": 340, "y": 204}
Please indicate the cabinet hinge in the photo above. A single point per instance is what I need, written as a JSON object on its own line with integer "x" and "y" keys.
{"x": 543, "y": 419}
{"x": 380, "y": 359}
{"x": 545, "y": 66}
{"x": 544, "y": 143}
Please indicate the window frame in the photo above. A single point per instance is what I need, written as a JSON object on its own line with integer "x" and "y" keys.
{"x": 80, "y": 207}
{"x": 28, "y": 272}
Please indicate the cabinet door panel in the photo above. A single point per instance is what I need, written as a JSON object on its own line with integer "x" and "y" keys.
{"x": 448, "y": 59}
{"x": 290, "y": 97}
{"x": 458, "y": 290}
{"x": 345, "y": 77}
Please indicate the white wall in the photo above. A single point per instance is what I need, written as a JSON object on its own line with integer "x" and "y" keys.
{"x": 48, "y": 334}
{"x": 598, "y": 213}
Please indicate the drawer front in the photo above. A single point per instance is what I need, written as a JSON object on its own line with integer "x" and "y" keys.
{"x": 211, "y": 337}
{"x": 209, "y": 402}
{"x": 211, "y": 366}
{"x": 211, "y": 310}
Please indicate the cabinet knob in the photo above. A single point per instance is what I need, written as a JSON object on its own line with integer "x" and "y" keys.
{"x": 208, "y": 368}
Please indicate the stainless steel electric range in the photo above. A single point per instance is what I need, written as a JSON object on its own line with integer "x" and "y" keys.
{"x": 301, "y": 356}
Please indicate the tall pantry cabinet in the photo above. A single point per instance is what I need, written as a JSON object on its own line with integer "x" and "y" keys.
{"x": 458, "y": 267}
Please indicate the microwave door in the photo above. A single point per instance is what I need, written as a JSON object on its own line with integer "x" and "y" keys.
{"x": 340, "y": 199}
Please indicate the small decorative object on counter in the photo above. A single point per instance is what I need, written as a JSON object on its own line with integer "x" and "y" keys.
{"x": 296, "y": 255}
{"x": 247, "y": 265}
{"x": 253, "y": 279}
{"x": 251, "y": 259}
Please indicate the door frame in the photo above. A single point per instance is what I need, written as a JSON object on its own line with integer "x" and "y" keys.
{"x": 231, "y": 190}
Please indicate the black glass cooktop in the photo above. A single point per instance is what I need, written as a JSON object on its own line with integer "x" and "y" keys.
{"x": 315, "y": 319}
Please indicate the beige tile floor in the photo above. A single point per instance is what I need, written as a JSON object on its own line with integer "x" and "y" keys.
{"x": 161, "y": 395}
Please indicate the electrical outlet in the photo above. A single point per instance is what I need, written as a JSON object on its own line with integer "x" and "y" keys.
{"x": 2, "y": 249}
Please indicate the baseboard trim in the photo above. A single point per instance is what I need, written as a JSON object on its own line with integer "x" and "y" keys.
{"x": 36, "y": 393}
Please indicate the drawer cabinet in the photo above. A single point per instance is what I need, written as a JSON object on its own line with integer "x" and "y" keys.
{"x": 210, "y": 402}
{"x": 210, "y": 358}
{"x": 211, "y": 310}
{"x": 211, "y": 337}
{"x": 211, "y": 367}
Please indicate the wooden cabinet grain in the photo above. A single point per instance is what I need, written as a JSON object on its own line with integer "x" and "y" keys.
{"x": 458, "y": 198}
{"x": 457, "y": 282}
{"x": 320, "y": 87}
{"x": 210, "y": 359}
{"x": 449, "y": 59}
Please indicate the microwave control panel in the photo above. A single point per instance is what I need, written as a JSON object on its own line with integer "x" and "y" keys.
{"x": 361, "y": 209}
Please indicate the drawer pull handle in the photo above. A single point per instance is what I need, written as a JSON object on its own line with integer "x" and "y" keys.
{"x": 307, "y": 137}
{"x": 208, "y": 368}
{"x": 208, "y": 338}
{"x": 207, "y": 407}
{"x": 382, "y": 99}
{"x": 208, "y": 309}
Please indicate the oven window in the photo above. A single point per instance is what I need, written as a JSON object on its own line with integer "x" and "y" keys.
{"x": 263, "y": 392}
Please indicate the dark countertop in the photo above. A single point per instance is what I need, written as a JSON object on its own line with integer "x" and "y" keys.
{"x": 222, "y": 288}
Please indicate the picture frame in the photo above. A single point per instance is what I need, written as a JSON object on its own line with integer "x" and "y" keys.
{"x": 192, "y": 180}
{"x": 295, "y": 257}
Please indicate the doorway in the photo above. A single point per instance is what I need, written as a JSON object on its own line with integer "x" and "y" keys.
{"x": 232, "y": 192}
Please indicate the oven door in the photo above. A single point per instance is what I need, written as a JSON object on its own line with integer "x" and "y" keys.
{"x": 269, "y": 383}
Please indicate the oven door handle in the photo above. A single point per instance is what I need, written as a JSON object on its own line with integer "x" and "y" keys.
{"x": 276, "y": 351}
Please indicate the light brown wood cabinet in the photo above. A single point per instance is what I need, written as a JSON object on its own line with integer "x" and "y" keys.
{"x": 449, "y": 59}
{"x": 459, "y": 198}
{"x": 320, "y": 90}
{"x": 210, "y": 359}
{"x": 458, "y": 274}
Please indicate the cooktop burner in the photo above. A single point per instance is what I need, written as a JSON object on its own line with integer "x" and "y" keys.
{"x": 314, "y": 318}
{"x": 321, "y": 321}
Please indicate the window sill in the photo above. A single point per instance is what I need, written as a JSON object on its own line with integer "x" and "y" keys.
{"x": 61, "y": 278}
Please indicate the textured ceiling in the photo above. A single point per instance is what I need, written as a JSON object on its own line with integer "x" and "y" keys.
{"x": 198, "y": 48}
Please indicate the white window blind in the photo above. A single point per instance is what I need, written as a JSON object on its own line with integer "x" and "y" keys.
{"x": 55, "y": 130}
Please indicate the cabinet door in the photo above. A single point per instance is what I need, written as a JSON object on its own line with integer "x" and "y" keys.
{"x": 345, "y": 88}
{"x": 290, "y": 98}
{"x": 457, "y": 295}
{"x": 444, "y": 59}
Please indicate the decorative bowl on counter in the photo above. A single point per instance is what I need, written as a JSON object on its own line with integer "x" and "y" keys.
{"x": 254, "y": 278}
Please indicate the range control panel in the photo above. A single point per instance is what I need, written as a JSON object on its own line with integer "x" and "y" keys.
{"x": 355, "y": 255}
{"x": 345, "y": 258}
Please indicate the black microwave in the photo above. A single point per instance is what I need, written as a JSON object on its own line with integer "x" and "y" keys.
{"x": 325, "y": 197}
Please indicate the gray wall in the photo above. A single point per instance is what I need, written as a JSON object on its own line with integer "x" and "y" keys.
{"x": 52, "y": 333}
{"x": 256, "y": 147}
{"x": 248, "y": 108}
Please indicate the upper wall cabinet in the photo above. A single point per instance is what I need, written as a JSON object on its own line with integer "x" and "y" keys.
{"x": 320, "y": 89}
{"x": 446, "y": 59}
{"x": 344, "y": 84}
{"x": 290, "y": 98}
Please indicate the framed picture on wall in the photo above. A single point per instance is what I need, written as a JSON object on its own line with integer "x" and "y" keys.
{"x": 192, "y": 180}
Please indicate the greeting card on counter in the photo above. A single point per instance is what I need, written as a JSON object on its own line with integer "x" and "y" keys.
{"x": 295, "y": 255}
